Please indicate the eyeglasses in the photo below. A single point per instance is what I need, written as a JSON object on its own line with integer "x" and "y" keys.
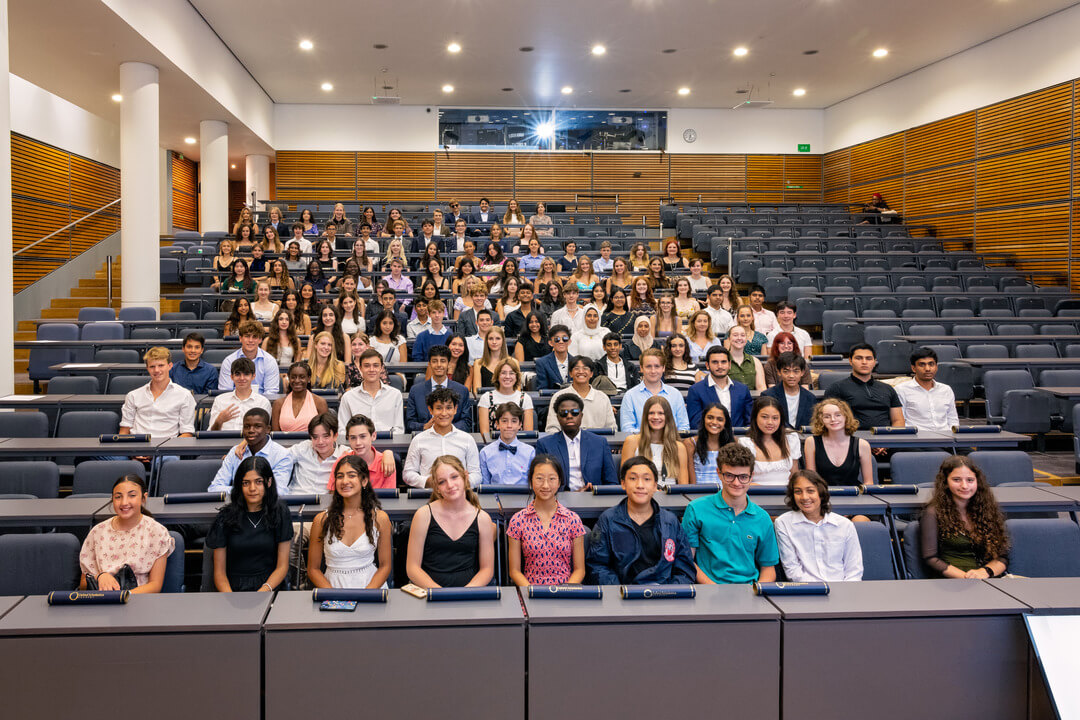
{"x": 740, "y": 479}
{"x": 560, "y": 339}
{"x": 572, "y": 412}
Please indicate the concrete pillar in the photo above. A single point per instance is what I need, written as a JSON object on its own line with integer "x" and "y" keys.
{"x": 7, "y": 310}
{"x": 140, "y": 175}
{"x": 257, "y": 178}
{"x": 214, "y": 176}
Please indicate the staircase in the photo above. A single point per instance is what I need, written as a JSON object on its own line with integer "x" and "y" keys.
{"x": 91, "y": 292}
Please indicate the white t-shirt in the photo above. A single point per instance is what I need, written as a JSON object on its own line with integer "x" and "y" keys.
{"x": 493, "y": 399}
{"x": 254, "y": 400}
{"x": 389, "y": 351}
{"x": 801, "y": 337}
{"x": 700, "y": 284}
{"x": 774, "y": 472}
{"x": 792, "y": 407}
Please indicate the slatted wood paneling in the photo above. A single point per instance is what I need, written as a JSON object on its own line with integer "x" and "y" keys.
{"x": 185, "y": 193}
{"x": 1039, "y": 233}
{"x": 1034, "y": 119}
{"x": 836, "y": 169}
{"x": 879, "y": 158}
{"x": 384, "y": 176}
{"x": 1025, "y": 177}
{"x": 764, "y": 178}
{"x": 50, "y": 189}
{"x": 802, "y": 178}
{"x": 558, "y": 175}
{"x": 945, "y": 142}
{"x": 470, "y": 175}
{"x": 946, "y": 190}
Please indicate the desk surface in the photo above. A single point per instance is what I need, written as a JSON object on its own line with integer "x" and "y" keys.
{"x": 712, "y": 603}
{"x": 1045, "y": 596}
{"x": 1072, "y": 492}
{"x": 171, "y": 613}
{"x": 68, "y": 447}
{"x": 991, "y": 363}
{"x": 989, "y": 339}
{"x": 180, "y": 513}
{"x": 8, "y": 602}
{"x": 50, "y": 512}
{"x": 871, "y": 505}
{"x": 296, "y": 611}
{"x": 1011, "y": 499}
{"x": 1062, "y": 392}
{"x": 899, "y": 598}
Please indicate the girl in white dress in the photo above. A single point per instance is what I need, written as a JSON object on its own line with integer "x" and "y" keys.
{"x": 775, "y": 447}
{"x": 351, "y": 533}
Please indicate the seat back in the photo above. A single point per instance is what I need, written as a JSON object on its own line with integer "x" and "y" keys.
{"x": 1036, "y": 350}
{"x": 24, "y": 424}
{"x": 115, "y": 355}
{"x": 173, "y": 582}
{"x": 945, "y": 353}
{"x": 913, "y": 563}
{"x": 960, "y": 377}
{"x": 98, "y": 476}
{"x": 137, "y": 313}
{"x": 73, "y": 385}
{"x": 87, "y": 423}
{"x": 1002, "y": 466}
{"x": 38, "y": 564}
{"x": 123, "y": 384}
{"x": 877, "y": 554}
{"x": 912, "y": 468}
{"x": 42, "y": 358}
{"x": 149, "y": 333}
{"x": 187, "y": 476}
{"x": 102, "y": 331}
{"x": 96, "y": 314}
{"x": 40, "y": 478}
{"x": 997, "y": 383}
{"x": 1045, "y": 547}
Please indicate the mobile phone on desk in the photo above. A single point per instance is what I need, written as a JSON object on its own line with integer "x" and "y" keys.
{"x": 414, "y": 590}
{"x": 338, "y": 605}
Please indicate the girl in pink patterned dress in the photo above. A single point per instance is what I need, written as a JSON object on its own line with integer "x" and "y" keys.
{"x": 549, "y": 537}
{"x": 129, "y": 538}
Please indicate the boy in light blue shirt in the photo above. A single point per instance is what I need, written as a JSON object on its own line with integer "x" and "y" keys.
{"x": 505, "y": 461}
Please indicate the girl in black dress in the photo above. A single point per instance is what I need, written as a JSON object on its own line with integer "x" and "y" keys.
{"x": 617, "y": 317}
{"x": 532, "y": 343}
{"x": 251, "y": 535}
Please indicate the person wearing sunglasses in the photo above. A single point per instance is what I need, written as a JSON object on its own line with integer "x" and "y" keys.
{"x": 585, "y": 455}
{"x": 732, "y": 538}
{"x": 553, "y": 369}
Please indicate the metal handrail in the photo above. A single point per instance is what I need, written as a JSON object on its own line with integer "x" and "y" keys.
{"x": 66, "y": 227}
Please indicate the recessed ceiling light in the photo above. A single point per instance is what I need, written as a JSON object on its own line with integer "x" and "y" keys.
{"x": 740, "y": 51}
{"x": 684, "y": 91}
{"x": 306, "y": 45}
{"x": 798, "y": 92}
{"x": 453, "y": 47}
{"x": 190, "y": 140}
{"x": 327, "y": 86}
{"x": 598, "y": 49}
{"x": 567, "y": 90}
{"x": 880, "y": 53}
{"x": 117, "y": 97}
{"x": 668, "y": 51}
{"x": 448, "y": 88}
{"x": 525, "y": 113}
{"x": 526, "y": 48}
{"x": 233, "y": 166}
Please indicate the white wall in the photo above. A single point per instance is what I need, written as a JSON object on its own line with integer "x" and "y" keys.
{"x": 180, "y": 34}
{"x": 761, "y": 130}
{"x": 50, "y": 119}
{"x": 356, "y": 128}
{"x": 1032, "y": 57}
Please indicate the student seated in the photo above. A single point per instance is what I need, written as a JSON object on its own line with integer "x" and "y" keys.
{"x": 267, "y": 375}
{"x": 833, "y": 451}
{"x": 229, "y": 407}
{"x": 251, "y": 535}
{"x": 659, "y": 440}
{"x": 796, "y": 402}
{"x": 546, "y": 538}
{"x": 373, "y": 397}
{"x": 652, "y": 373}
{"x": 314, "y": 459}
{"x": 195, "y": 374}
{"x": 637, "y": 542}
{"x": 160, "y": 408}
{"x": 585, "y": 456}
{"x": 451, "y": 540}
{"x": 874, "y": 403}
{"x": 417, "y": 417}
{"x": 714, "y": 433}
{"x": 598, "y": 413}
{"x": 353, "y": 535}
{"x": 962, "y": 530}
{"x": 505, "y": 460}
{"x": 776, "y": 448}
{"x": 256, "y": 442}
{"x": 816, "y": 545}
{"x": 442, "y": 438}
{"x": 130, "y": 539}
{"x": 382, "y": 466}
{"x": 732, "y": 538}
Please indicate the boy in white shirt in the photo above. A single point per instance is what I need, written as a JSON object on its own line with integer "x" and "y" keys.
{"x": 563, "y": 316}
{"x": 228, "y": 410}
{"x": 785, "y": 322}
{"x": 602, "y": 266}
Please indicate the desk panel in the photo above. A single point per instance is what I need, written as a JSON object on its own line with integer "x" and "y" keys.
{"x": 70, "y": 512}
{"x": 459, "y": 646}
{"x": 655, "y": 658}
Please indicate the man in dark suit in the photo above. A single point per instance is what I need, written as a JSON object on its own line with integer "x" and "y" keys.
{"x": 718, "y": 387}
{"x": 480, "y": 220}
{"x": 438, "y": 223}
{"x": 417, "y": 415}
{"x": 616, "y": 365}
{"x": 791, "y": 367}
{"x": 553, "y": 369}
{"x": 454, "y": 214}
{"x": 387, "y": 301}
{"x": 420, "y": 242}
{"x": 585, "y": 456}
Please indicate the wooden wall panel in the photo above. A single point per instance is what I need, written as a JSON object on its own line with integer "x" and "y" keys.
{"x": 185, "y": 193}
{"x": 631, "y": 173}
{"x": 395, "y": 176}
{"x": 765, "y": 178}
{"x": 50, "y": 189}
{"x": 836, "y": 169}
{"x": 468, "y": 175}
{"x": 879, "y": 158}
{"x": 804, "y": 171}
{"x": 1037, "y": 118}
{"x": 715, "y": 177}
{"x": 1039, "y": 234}
{"x": 953, "y": 226}
{"x": 838, "y": 195}
{"x": 1025, "y": 177}
{"x": 892, "y": 190}
{"x": 944, "y": 142}
{"x": 950, "y": 189}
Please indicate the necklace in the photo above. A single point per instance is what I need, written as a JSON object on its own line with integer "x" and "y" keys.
{"x": 255, "y": 524}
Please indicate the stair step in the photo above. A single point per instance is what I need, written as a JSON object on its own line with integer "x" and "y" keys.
{"x": 78, "y": 302}
{"x": 60, "y": 313}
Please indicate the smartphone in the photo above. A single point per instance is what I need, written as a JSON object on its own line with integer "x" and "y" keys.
{"x": 338, "y": 605}
{"x": 415, "y": 591}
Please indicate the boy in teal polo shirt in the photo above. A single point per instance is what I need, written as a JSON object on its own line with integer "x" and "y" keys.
{"x": 732, "y": 538}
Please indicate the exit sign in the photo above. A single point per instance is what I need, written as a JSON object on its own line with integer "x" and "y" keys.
{"x": 804, "y": 147}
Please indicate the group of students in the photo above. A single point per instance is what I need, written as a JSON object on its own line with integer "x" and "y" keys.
{"x": 721, "y": 538}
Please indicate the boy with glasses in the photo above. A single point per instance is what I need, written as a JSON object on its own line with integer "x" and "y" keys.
{"x": 553, "y": 369}
{"x": 732, "y": 538}
{"x": 585, "y": 456}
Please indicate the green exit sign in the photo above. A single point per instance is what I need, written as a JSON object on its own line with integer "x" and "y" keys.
{"x": 804, "y": 147}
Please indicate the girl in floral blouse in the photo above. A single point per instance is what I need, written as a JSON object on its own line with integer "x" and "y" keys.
{"x": 548, "y": 537}
{"x": 131, "y": 538}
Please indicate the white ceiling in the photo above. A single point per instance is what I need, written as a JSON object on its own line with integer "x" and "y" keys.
{"x": 265, "y": 37}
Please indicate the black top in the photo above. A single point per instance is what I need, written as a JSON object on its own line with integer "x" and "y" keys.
{"x": 533, "y": 349}
{"x": 670, "y": 265}
{"x": 650, "y": 547}
{"x": 847, "y": 472}
{"x": 451, "y": 563}
{"x": 251, "y": 550}
{"x": 940, "y": 551}
{"x": 870, "y": 401}
{"x": 620, "y": 324}
{"x": 487, "y": 378}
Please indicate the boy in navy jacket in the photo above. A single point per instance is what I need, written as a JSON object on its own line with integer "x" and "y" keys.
{"x": 637, "y": 542}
